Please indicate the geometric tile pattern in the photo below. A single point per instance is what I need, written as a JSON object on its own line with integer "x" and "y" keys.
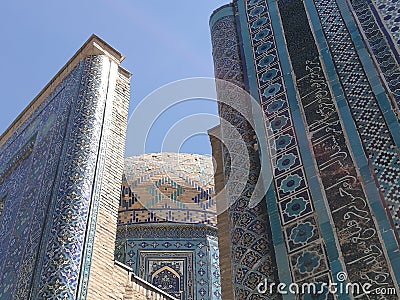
{"x": 72, "y": 201}
{"x": 184, "y": 256}
{"x": 22, "y": 222}
{"x": 175, "y": 187}
{"x": 361, "y": 248}
{"x": 251, "y": 241}
{"x": 36, "y": 258}
{"x": 214, "y": 269}
{"x": 166, "y": 205}
{"x": 379, "y": 145}
{"x": 381, "y": 44}
{"x": 166, "y": 269}
{"x": 389, "y": 11}
{"x": 298, "y": 218}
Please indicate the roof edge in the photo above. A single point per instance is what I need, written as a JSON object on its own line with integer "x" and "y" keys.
{"x": 215, "y": 131}
{"x": 93, "y": 46}
{"x": 216, "y": 13}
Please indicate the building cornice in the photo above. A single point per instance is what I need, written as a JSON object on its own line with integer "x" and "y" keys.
{"x": 93, "y": 46}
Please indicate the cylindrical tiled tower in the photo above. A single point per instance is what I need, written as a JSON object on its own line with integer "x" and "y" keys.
{"x": 252, "y": 256}
{"x": 329, "y": 103}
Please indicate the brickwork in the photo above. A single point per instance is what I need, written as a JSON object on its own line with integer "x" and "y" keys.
{"x": 224, "y": 243}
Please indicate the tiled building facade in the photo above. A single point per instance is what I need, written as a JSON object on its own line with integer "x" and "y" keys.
{"x": 61, "y": 163}
{"x": 167, "y": 224}
{"x": 325, "y": 76}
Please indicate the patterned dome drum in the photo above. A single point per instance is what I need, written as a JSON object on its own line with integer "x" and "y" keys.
{"x": 168, "y": 187}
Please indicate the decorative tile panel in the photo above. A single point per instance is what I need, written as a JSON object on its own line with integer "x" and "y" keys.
{"x": 381, "y": 45}
{"x": 369, "y": 119}
{"x": 290, "y": 181}
{"x": 169, "y": 271}
{"x": 36, "y": 145}
{"x": 362, "y": 250}
{"x": 389, "y": 11}
{"x": 71, "y": 200}
{"x": 174, "y": 187}
{"x": 47, "y": 169}
{"x": 186, "y": 255}
{"x": 246, "y": 223}
{"x": 213, "y": 269}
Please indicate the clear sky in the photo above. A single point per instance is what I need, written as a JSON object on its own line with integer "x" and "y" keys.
{"x": 163, "y": 41}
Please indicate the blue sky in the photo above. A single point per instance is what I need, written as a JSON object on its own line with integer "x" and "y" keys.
{"x": 163, "y": 41}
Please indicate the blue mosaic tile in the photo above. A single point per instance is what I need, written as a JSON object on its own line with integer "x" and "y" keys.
{"x": 244, "y": 222}
{"x": 34, "y": 146}
{"x": 182, "y": 260}
{"x": 337, "y": 173}
{"x": 371, "y": 125}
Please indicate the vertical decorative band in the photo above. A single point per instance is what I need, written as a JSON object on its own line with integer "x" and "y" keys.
{"x": 363, "y": 255}
{"x": 367, "y": 101}
{"x": 389, "y": 14}
{"x": 381, "y": 45}
{"x": 68, "y": 217}
{"x": 253, "y": 256}
{"x": 293, "y": 196}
